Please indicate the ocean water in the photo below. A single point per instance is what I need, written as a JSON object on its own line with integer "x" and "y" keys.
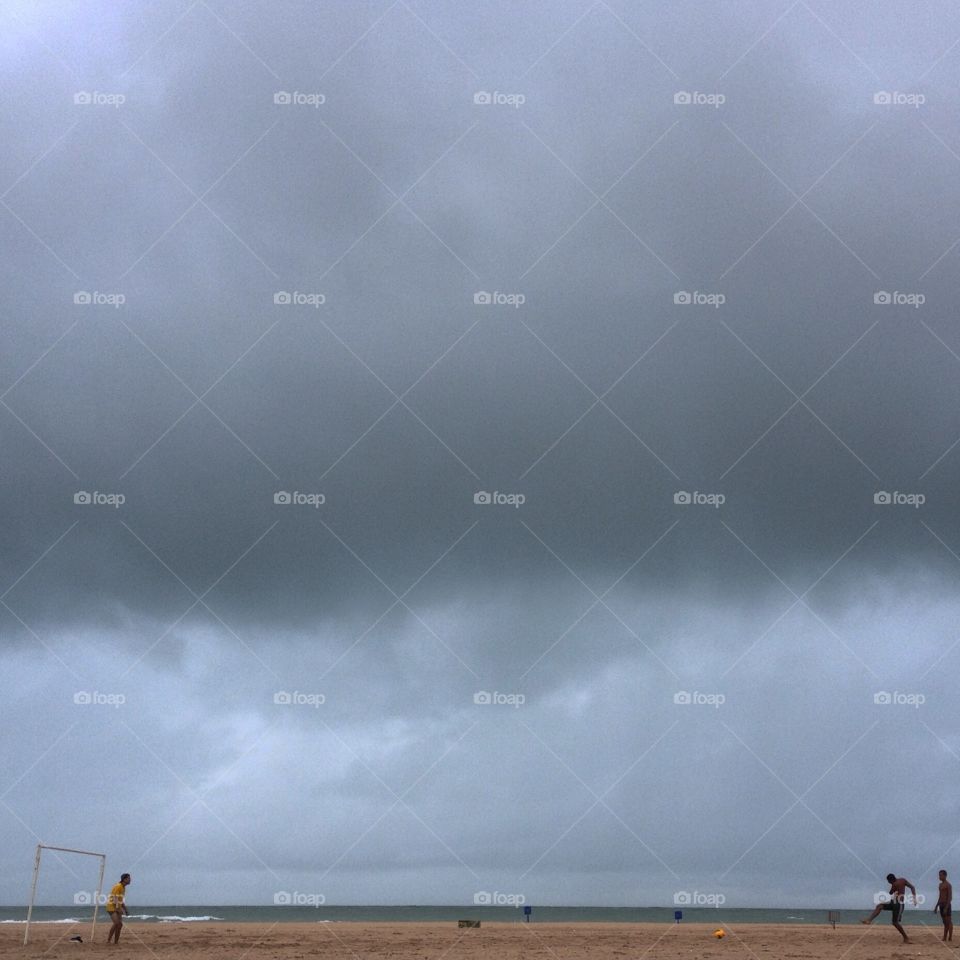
{"x": 403, "y": 914}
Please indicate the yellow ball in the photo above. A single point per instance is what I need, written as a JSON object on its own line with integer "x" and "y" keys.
{"x": 720, "y": 934}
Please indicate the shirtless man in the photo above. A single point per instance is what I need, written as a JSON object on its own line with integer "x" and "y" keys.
{"x": 898, "y": 887}
{"x": 943, "y": 905}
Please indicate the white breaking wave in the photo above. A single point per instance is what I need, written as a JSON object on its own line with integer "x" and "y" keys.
{"x": 185, "y": 919}
{"x": 66, "y": 920}
{"x": 132, "y": 916}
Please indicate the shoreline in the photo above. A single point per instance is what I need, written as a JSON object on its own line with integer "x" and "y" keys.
{"x": 494, "y": 940}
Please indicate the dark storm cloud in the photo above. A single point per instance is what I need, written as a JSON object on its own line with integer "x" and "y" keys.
{"x": 597, "y": 200}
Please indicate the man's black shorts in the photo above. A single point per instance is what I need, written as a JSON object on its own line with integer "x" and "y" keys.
{"x": 896, "y": 910}
{"x": 943, "y": 909}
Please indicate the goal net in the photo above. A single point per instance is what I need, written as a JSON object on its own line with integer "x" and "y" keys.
{"x": 36, "y": 874}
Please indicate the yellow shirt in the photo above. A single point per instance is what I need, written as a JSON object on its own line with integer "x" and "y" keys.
{"x": 115, "y": 900}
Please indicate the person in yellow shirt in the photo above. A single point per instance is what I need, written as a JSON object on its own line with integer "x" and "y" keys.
{"x": 117, "y": 907}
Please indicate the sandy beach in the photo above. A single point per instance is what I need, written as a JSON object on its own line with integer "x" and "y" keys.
{"x": 513, "y": 941}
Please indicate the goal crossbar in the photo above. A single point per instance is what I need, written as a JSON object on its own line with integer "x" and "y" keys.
{"x": 36, "y": 872}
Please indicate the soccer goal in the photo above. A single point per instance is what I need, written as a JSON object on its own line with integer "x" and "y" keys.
{"x": 36, "y": 873}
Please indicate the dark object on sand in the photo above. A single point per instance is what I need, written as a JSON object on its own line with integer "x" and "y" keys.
{"x": 76, "y": 939}
{"x": 468, "y": 923}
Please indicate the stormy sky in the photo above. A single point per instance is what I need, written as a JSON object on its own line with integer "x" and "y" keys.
{"x": 453, "y": 448}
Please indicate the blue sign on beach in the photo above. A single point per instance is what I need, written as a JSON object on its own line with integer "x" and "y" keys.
{"x": 677, "y": 915}
{"x": 527, "y": 911}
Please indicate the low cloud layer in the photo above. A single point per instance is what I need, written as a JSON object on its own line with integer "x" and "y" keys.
{"x": 362, "y": 360}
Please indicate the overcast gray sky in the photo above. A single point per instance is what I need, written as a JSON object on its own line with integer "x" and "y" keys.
{"x": 248, "y": 249}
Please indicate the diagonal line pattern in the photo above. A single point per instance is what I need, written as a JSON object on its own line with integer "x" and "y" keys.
{"x": 403, "y": 802}
{"x": 599, "y": 599}
{"x": 201, "y": 797}
{"x": 399, "y": 599}
{"x": 198, "y": 599}
{"x": 598, "y": 200}
{"x": 801, "y": 599}
{"x": 600, "y": 401}
{"x": 199, "y": 401}
{"x": 799, "y": 799}
{"x": 798, "y": 398}
{"x": 599, "y": 799}
{"x": 798, "y": 199}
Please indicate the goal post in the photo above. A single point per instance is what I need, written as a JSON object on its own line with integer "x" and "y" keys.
{"x": 36, "y": 873}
